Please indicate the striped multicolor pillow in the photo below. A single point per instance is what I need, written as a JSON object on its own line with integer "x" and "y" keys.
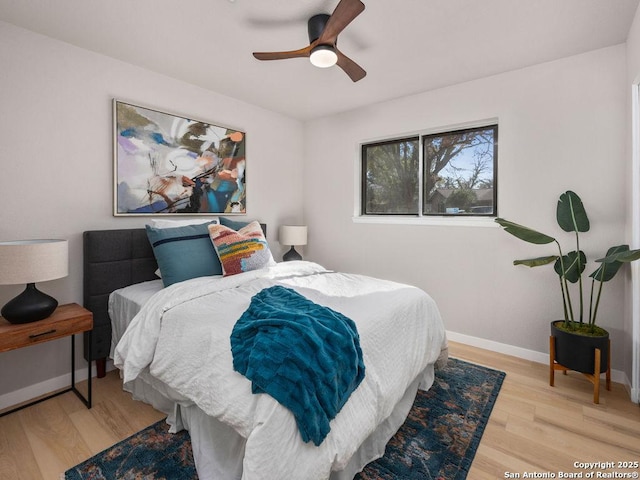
{"x": 242, "y": 250}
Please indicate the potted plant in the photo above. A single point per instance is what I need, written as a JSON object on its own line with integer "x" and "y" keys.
{"x": 577, "y": 336}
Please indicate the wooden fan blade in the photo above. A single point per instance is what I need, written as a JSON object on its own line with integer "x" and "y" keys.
{"x": 303, "y": 52}
{"x": 342, "y": 16}
{"x": 351, "y": 68}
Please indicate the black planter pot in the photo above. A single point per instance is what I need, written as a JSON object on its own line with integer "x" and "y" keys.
{"x": 577, "y": 352}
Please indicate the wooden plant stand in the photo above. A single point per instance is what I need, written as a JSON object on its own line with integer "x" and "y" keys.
{"x": 592, "y": 377}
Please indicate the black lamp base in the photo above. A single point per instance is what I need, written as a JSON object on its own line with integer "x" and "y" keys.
{"x": 291, "y": 255}
{"x": 30, "y": 306}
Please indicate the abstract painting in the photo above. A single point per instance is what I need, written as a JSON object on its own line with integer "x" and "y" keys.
{"x": 168, "y": 164}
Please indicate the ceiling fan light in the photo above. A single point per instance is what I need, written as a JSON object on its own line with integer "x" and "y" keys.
{"x": 323, "y": 56}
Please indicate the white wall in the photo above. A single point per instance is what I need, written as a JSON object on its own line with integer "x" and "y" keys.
{"x": 56, "y": 159}
{"x": 562, "y": 126}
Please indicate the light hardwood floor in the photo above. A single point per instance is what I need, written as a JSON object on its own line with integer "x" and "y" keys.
{"x": 533, "y": 428}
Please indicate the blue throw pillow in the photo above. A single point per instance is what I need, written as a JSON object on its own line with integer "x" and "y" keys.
{"x": 235, "y": 225}
{"x": 184, "y": 252}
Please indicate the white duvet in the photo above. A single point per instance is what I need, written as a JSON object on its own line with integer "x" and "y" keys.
{"x": 181, "y": 338}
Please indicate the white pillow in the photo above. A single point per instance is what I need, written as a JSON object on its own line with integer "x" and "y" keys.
{"x": 162, "y": 223}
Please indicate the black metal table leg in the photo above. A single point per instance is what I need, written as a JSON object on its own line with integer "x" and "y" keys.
{"x": 86, "y": 400}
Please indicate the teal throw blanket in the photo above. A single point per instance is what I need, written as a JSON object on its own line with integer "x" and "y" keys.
{"x": 304, "y": 355}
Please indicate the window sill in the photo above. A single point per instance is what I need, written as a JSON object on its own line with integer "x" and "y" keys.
{"x": 432, "y": 221}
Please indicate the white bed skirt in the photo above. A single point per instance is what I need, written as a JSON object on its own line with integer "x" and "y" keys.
{"x": 218, "y": 449}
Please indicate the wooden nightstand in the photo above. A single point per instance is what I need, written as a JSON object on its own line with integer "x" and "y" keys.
{"x": 66, "y": 320}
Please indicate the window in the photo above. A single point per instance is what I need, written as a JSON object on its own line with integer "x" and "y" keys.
{"x": 390, "y": 173}
{"x": 452, "y": 173}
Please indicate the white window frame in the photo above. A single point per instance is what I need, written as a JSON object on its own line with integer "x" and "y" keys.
{"x": 635, "y": 238}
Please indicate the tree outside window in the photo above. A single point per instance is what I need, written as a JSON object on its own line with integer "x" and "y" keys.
{"x": 391, "y": 178}
{"x": 459, "y": 174}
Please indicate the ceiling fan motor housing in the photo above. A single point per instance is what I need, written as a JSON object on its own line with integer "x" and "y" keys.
{"x": 316, "y": 25}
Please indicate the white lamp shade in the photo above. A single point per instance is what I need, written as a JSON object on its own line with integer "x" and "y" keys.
{"x": 30, "y": 261}
{"x": 292, "y": 235}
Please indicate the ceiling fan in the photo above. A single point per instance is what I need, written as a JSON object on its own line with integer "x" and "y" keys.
{"x": 323, "y": 36}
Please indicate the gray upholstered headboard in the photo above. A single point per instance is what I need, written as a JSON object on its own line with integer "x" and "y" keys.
{"x": 113, "y": 259}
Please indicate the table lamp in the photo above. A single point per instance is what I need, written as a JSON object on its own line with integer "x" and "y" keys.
{"x": 30, "y": 261}
{"x": 292, "y": 235}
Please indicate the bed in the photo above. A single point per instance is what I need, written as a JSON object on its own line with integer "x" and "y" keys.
{"x": 171, "y": 345}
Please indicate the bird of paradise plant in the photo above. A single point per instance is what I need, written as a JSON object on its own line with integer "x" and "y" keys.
{"x": 572, "y": 217}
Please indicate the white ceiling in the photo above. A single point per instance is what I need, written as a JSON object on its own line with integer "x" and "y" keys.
{"x": 406, "y": 46}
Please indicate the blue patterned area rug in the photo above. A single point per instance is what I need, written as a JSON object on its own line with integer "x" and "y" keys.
{"x": 437, "y": 441}
{"x": 439, "y": 438}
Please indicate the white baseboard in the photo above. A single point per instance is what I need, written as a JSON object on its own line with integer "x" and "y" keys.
{"x": 43, "y": 388}
{"x": 532, "y": 355}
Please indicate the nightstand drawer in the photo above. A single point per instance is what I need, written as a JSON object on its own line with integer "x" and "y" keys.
{"x": 66, "y": 320}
